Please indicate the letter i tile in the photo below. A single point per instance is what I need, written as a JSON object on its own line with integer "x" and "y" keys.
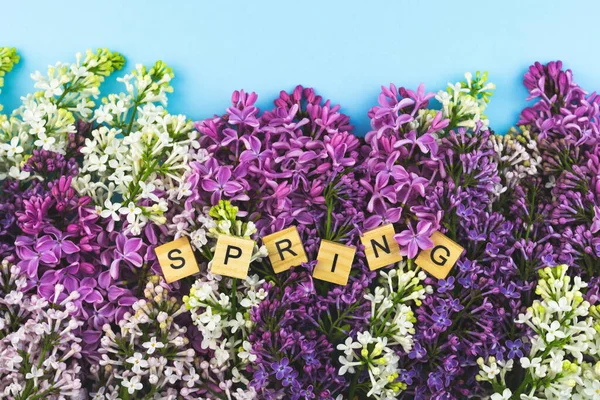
{"x": 334, "y": 262}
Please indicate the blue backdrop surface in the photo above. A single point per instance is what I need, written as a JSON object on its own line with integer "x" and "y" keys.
{"x": 345, "y": 49}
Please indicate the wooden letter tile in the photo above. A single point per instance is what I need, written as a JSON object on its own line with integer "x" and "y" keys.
{"x": 232, "y": 256}
{"x": 440, "y": 259}
{"x": 381, "y": 248}
{"x": 334, "y": 262}
{"x": 177, "y": 259}
{"x": 285, "y": 249}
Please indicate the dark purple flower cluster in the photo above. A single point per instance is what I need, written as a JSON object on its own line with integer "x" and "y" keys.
{"x": 565, "y": 122}
{"x": 425, "y": 177}
{"x": 293, "y": 165}
{"x": 289, "y": 332}
{"x": 466, "y": 317}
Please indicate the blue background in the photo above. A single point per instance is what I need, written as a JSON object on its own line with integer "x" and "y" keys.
{"x": 345, "y": 49}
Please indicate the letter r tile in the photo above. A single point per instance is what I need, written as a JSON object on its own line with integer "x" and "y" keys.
{"x": 177, "y": 259}
{"x": 440, "y": 259}
{"x": 285, "y": 249}
{"x": 232, "y": 256}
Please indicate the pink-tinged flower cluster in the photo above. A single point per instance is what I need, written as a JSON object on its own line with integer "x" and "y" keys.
{"x": 148, "y": 352}
{"x": 40, "y": 345}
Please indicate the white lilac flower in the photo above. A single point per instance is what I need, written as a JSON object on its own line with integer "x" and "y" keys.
{"x": 390, "y": 332}
{"x": 138, "y": 363}
{"x": 566, "y": 335}
{"x": 46, "y": 118}
{"x": 139, "y": 153}
{"x": 132, "y": 385}
{"x": 219, "y": 306}
{"x": 191, "y": 378}
{"x": 110, "y": 210}
{"x": 150, "y": 353}
{"x": 464, "y": 103}
{"x": 216, "y": 315}
{"x": 505, "y": 395}
{"x": 153, "y": 345}
{"x": 347, "y": 364}
{"x": 246, "y": 353}
{"x": 517, "y": 157}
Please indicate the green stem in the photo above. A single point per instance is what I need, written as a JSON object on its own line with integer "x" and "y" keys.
{"x": 136, "y": 188}
{"x": 234, "y": 296}
{"x": 62, "y": 96}
{"x": 132, "y": 119}
{"x": 353, "y": 385}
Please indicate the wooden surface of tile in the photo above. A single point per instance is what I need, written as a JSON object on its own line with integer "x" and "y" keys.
{"x": 285, "y": 249}
{"x": 440, "y": 259}
{"x": 334, "y": 262}
{"x": 232, "y": 257}
{"x": 381, "y": 249}
{"x": 177, "y": 259}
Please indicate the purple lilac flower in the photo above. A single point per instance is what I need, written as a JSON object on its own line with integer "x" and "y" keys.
{"x": 514, "y": 348}
{"x": 308, "y": 175}
{"x": 58, "y": 239}
{"x": 127, "y": 249}
{"x": 222, "y": 185}
{"x": 414, "y": 240}
{"x": 281, "y": 368}
{"x": 565, "y": 123}
{"x": 444, "y": 180}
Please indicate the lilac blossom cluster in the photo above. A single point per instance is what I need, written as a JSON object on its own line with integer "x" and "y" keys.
{"x": 58, "y": 238}
{"x": 296, "y": 164}
{"x": 40, "y": 347}
{"x": 89, "y": 191}
{"x": 550, "y": 167}
{"x": 444, "y": 170}
{"x": 565, "y": 124}
{"x": 78, "y": 262}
